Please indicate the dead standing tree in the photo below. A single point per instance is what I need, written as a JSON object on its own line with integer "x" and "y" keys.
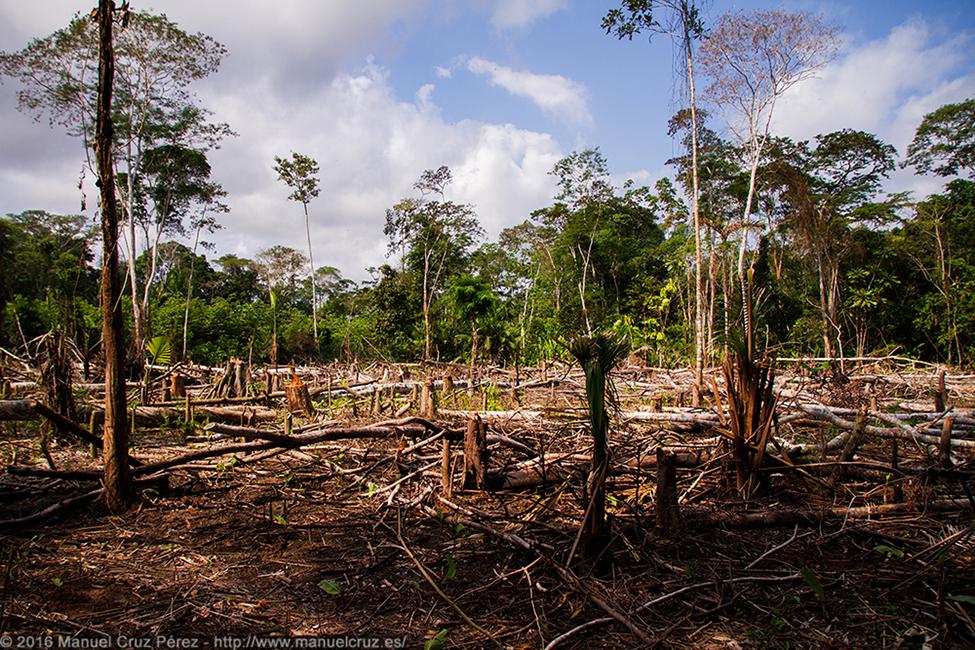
{"x": 751, "y": 60}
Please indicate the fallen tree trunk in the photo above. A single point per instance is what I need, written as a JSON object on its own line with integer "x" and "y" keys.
{"x": 904, "y": 432}
{"x": 792, "y": 517}
{"x": 554, "y": 468}
{"x": 270, "y": 441}
{"x": 32, "y": 409}
{"x": 159, "y": 415}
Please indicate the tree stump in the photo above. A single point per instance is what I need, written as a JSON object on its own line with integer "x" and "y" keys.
{"x": 235, "y": 380}
{"x": 448, "y": 389}
{"x": 299, "y": 401}
{"x": 475, "y": 454}
{"x": 944, "y": 448}
{"x": 851, "y": 446}
{"x": 428, "y": 400}
{"x": 446, "y": 471}
{"x": 668, "y": 513}
{"x": 940, "y": 394}
{"x": 177, "y": 386}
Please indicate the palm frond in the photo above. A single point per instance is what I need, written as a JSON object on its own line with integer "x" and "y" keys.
{"x": 160, "y": 352}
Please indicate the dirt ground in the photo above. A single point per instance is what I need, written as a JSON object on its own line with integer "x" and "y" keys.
{"x": 320, "y": 541}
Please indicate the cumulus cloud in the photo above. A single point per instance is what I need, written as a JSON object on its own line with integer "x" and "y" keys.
{"x": 282, "y": 89}
{"x": 556, "y": 95}
{"x": 296, "y": 45}
{"x": 507, "y": 14}
{"x": 885, "y": 87}
{"x": 371, "y": 147}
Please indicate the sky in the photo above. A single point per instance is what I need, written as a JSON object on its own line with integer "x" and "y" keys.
{"x": 377, "y": 91}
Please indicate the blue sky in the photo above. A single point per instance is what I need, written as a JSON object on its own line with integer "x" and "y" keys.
{"x": 499, "y": 90}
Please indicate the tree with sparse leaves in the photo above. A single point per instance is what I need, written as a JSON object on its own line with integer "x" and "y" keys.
{"x": 750, "y": 61}
{"x": 300, "y": 173}
{"x": 155, "y": 63}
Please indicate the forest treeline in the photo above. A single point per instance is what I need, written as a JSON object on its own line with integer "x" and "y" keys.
{"x": 838, "y": 264}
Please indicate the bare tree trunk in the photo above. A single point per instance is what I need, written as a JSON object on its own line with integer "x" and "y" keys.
{"x": 473, "y": 351}
{"x": 945, "y": 273}
{"x": 582, "y": 283}
{"x": 426, "y": 306}
{"x": 824, "y": 308}
{"x": 712, "y": 289}
{"x": 118, "y": 479}
{"x": 314, "y": 291}
{"x": 699, "y": 282}
{"x": 726, "y": 281}
{"x": 833, "y": 308}
{"x": 189, "y": 294}
{"x": 129, "y": 191}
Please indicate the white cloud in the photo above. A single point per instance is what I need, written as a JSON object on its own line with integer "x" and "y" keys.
{"x": 371, "y": 147}
{"x": 554, "y": 94}
{"x": 442, "y": 72}
{"x": 885, "y": 87}
{"x": 282, "y": 89}
{"x": 508, "y": 14}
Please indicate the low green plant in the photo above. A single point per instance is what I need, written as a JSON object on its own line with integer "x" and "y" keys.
{"x": 450, "y": 570}
{"x": 438, "y": 642}
{"x": 330, "y": 587}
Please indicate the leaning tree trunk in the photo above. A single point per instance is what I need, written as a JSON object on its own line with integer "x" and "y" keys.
{"x": 118, "y": 480}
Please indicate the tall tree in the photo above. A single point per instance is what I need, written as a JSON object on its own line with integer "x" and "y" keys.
{"x": 828, "y": 188}
{"x": 118, "y": 479}
{"x": 684, "y": 27}
{"x": 173, "y": 197}
{"x": 155, "y": 63}
{"x": 432, "y": 234}
{"x": 751, "y": 60}
{"x": 940, "y": 239}
{"x": 945, "y": 141}
{"x": 300, "y": 173}
{"x": 584, "y": 186}
{"x": 203, "y": 221}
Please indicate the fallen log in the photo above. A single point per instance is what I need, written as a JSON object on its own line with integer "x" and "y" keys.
{"x": 792, "y": 517}
{"x": 32, "y": 409}
{"x": 278, "y": 442}
{"x": 160, "y": 415}
{"x": 905, "y": 434}
{"x": 554, "y": 467}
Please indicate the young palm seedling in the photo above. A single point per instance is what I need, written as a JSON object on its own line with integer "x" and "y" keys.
{"x": 598, "y": 355}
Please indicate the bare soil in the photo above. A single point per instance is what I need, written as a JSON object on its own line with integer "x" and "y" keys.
{"x": 314, "y": 542}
